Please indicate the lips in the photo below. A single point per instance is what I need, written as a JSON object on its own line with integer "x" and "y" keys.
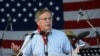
{"x": 48, "y": 25}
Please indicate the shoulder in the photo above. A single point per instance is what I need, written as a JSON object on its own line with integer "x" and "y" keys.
{"x": 29, "y": 34}
{"x": 35, "y": 31}
{"x": 61, "y": 32}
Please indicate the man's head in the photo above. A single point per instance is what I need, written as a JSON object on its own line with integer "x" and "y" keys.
{"x": 43, "y": 19}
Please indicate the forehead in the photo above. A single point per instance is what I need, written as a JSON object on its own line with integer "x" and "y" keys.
{"x": 45, "y": 14}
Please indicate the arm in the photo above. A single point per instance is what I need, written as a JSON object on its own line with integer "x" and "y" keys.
{"x": 67, "y": 47}
{"x": 27, "y": 47}
{"x": 16, "y": 48}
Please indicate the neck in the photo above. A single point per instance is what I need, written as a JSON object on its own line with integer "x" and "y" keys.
{"x": 45, "y": 30}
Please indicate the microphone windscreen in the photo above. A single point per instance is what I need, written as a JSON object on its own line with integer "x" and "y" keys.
{"x": 42, "y": 33}
{"x": 32, "y": 35}
{"x": 81, "y": 13}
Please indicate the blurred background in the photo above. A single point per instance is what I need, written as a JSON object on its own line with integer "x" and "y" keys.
{"x": 17, "y": 19}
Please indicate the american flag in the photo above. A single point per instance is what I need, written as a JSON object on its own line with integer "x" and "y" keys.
{"x": 65, "y": 14}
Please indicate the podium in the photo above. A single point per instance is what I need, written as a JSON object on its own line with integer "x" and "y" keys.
{"x": 90, "y": 52}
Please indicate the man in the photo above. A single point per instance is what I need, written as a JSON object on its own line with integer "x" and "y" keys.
{"x": 56, "y": 42}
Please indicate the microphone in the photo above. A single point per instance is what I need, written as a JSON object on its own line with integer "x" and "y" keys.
{"x": 32, "y": 34}
{"x": 27, "y": 41}
{"x": 41, "y": 33}
{"x": 9, "y": 22}
{"x": 82, "y": 35}
{"x": 79, "y": 14}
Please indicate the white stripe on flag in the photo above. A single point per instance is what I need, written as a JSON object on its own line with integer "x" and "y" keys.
{"x": 14, "y": 35}
{"x": 70, "y": 1}
{"x": 73, "y": 15}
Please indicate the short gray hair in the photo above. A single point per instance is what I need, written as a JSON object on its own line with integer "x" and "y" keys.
{"x": 41, "y": 11}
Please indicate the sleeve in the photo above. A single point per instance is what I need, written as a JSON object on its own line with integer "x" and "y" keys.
{"x": 67, "y": 47}
{"x": 25, "y": 41}
{"x": 27, "y": 47}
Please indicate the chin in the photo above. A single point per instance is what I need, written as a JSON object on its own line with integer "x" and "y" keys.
{"x": 48, "y": 28}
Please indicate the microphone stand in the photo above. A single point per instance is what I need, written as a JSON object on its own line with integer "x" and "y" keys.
{"x": 23, "y": 46}
{"x": 97, "y": 33}
{"x": 71, "y": 47}
{"x": 8, "y": 23}
{"x": 25, "y": 43}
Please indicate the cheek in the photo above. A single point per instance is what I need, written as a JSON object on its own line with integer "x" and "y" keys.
{"x": 41, "y": 24}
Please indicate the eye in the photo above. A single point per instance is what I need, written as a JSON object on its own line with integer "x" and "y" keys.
{"x": 50, "y": 18}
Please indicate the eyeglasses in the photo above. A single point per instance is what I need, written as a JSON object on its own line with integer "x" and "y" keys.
{"x": 50, "y": 19}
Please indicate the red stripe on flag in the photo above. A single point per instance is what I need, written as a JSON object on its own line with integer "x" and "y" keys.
{"x": 83, "y": 5}
{"x": 7, "y": 43}
{"x": 92, "y": 40}
{"x": 81, "y": 24}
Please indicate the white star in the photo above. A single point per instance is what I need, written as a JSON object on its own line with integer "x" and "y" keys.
{"x": 30, "y": 14}
{"x": 13, "y": 9}
{"x": 52, "y": 14}
{"x": 29, "y": 4}
{"x": 57, "y": 8}
{"x": 58, "y": 18}
{"x": 7, "y": 4}
{"x": 18, "y": 4}
{"x": 24, "y": 9}
{"x": 19, "y": 14}
{"x": 51, "y": 3}
{"x": 8, "y": 15}
{"x": 12, "y": 0}
{"x": 40, "y": 4}
{"x": 1, "y": 0}
{"x": 14, "y": 20}
{"x": 35, "y": 9}
{"x": 25, "y": 19}
{"x": 2, "y": 20}
{"x": 2, "y": 9}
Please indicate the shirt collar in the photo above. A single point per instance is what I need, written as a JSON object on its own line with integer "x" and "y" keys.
{"x": 39, "y": 30}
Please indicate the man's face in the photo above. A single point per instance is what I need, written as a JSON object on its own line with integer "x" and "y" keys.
{"x": 45, "y": 21}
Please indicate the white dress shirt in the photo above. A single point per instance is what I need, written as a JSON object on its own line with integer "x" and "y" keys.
{"x": 58, "y": 43}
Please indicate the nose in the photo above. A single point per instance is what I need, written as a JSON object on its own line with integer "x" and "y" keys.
{"x": 48, "y": 19}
